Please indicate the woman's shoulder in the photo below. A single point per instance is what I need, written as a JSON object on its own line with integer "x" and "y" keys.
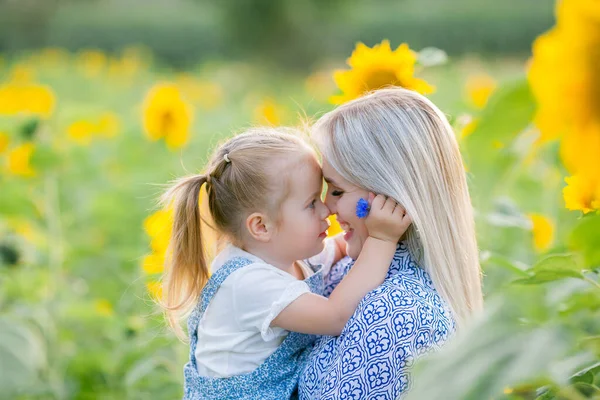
{"x": 405, "y": 304}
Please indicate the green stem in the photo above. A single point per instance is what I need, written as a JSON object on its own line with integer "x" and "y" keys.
{"x": 55, "y": 266}
{"x": 593, "y": 282}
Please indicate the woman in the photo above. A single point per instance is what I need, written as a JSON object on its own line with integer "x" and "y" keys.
{"x": 397, "y": 143}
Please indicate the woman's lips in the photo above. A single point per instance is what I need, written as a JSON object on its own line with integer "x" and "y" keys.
{"x": 348, "y": 235}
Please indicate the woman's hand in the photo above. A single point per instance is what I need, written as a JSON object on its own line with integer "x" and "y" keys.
{"x": 387, "y": 220}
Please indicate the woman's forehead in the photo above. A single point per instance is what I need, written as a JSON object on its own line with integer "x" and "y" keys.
{"x": 330, "y": 175}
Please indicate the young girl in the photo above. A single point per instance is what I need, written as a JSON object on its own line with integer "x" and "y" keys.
{"x": 261, "y": 308}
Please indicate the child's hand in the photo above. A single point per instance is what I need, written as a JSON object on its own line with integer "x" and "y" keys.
{"x": 387, "y": 220}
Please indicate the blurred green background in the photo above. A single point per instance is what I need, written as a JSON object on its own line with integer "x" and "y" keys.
{"x": 286, "y": 33}
{"x": 84, "y": 86}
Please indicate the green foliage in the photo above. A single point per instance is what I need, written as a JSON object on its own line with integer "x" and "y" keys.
{"x": 282, "y": 33}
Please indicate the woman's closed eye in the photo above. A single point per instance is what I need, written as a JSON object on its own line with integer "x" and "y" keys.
{"x": 336, "y": 193}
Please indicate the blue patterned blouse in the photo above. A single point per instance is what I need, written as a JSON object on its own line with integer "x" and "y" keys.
{"x": 395, "y": 323}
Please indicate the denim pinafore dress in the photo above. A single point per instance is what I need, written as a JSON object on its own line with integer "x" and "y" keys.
{"x": 276, "y": 378}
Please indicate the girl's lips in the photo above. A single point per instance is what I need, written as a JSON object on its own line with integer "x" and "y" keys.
{"x": 323, "y": 235}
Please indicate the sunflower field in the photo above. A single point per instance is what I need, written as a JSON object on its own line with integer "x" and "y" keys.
{"x": 89, "y": 138}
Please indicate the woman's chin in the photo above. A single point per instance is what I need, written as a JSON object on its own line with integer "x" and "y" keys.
{"x": 353, "y": 251}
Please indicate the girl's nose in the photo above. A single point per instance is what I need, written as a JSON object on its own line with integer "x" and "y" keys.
{"x": 325, "y": 211}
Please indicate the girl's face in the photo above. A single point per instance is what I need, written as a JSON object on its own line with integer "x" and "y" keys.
{"x": 341, "y": 199}
{"x": 303, "y": 223}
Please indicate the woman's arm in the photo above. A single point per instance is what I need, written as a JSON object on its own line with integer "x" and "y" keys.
{"x": 315, "y": 314}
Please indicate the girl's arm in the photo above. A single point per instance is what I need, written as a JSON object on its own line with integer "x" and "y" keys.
{"x": 314, "y": 314}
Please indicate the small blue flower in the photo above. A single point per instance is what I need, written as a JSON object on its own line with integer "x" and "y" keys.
{"x": 362, "y": 208}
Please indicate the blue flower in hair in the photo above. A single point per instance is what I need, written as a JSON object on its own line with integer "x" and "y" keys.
{"x": 362, "y": 208}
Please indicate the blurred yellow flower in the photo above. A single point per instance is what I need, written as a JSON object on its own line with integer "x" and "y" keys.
{"x": 4, "y": 140}
{"x": 563, "y": 73}
{"x": 103, "y": 307}
{"x": 467, "y": 126}
{"x": 582, "y": 193}
{"x": 159, "y": 226}
{"x": 167, "y": 115}
{"x": 269, "y": 113}
{"x": 92, "y": 62}
{"x": 542, "y": 230}
{"x": 18, "y": 160}
{"x": 153, "y": 263}
{"x": 108, "y": 125}
{"x": 377, "y": 67}
{"x": 207, "y": 95}
{"x": 27, "y": 98}
{"x": 28, "y": 231}
{"x": 81, "y": 132}
{"x": 155, "y": 289}
{"x": 53, "y": 56}
{"x": 479, "y": 88}
{"x": 22, "y": 74}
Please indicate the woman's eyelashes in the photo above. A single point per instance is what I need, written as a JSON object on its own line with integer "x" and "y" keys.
{"x": 336, "y": 193}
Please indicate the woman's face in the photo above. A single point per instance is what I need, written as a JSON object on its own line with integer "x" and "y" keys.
{"x": 341, "y": 199}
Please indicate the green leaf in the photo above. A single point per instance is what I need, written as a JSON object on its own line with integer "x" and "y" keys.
{"x": 29, "y": 128}
{"x": 584, "y": 374}
{"x": 510, "y": 110}
{"x": 45, "y": 158}
{"x": 488, "y": 156}
{"x": 22, "y": 355}
{"x": 505, "y": 263}
{"x": 586, "y": 239}
{"x": 552, "y": 268}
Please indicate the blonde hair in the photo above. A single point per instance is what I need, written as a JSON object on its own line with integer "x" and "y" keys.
{"x": 396, "y": 142}
{"x": 241, "y": 177}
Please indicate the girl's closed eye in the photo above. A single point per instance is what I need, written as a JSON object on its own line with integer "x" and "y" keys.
{"x": 312, "y": 203}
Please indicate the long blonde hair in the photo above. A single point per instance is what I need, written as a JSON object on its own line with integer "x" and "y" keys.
{"x": 240, "y": 178}
{"x": 396, "y": 142}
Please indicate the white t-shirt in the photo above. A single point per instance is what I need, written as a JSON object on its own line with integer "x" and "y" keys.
{"x": 234, "y": 334}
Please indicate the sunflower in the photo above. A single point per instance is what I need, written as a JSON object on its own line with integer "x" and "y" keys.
{"x": 155, "y": 289}
{"x": 159, "y": 227}
{"x": 27, "y": 98}
{"x": 4, "y": 141}
{"x": 19, "y": 160}
{"x": 84, "y": 131}
{"x": 377, "y": 67}
{"x": 582, "y": 193}
{"x": 92, "y": 62}
{"x": 563, "y": 74}
{"x": 542, "y": 229}
{"x": 81, "y": 132}
{"x": 167, "y": 115}
{"x": 268, "y": 112}
{"x": 479, "y": 88}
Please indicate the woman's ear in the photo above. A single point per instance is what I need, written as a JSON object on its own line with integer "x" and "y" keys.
{"x": 259, "y": 227}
